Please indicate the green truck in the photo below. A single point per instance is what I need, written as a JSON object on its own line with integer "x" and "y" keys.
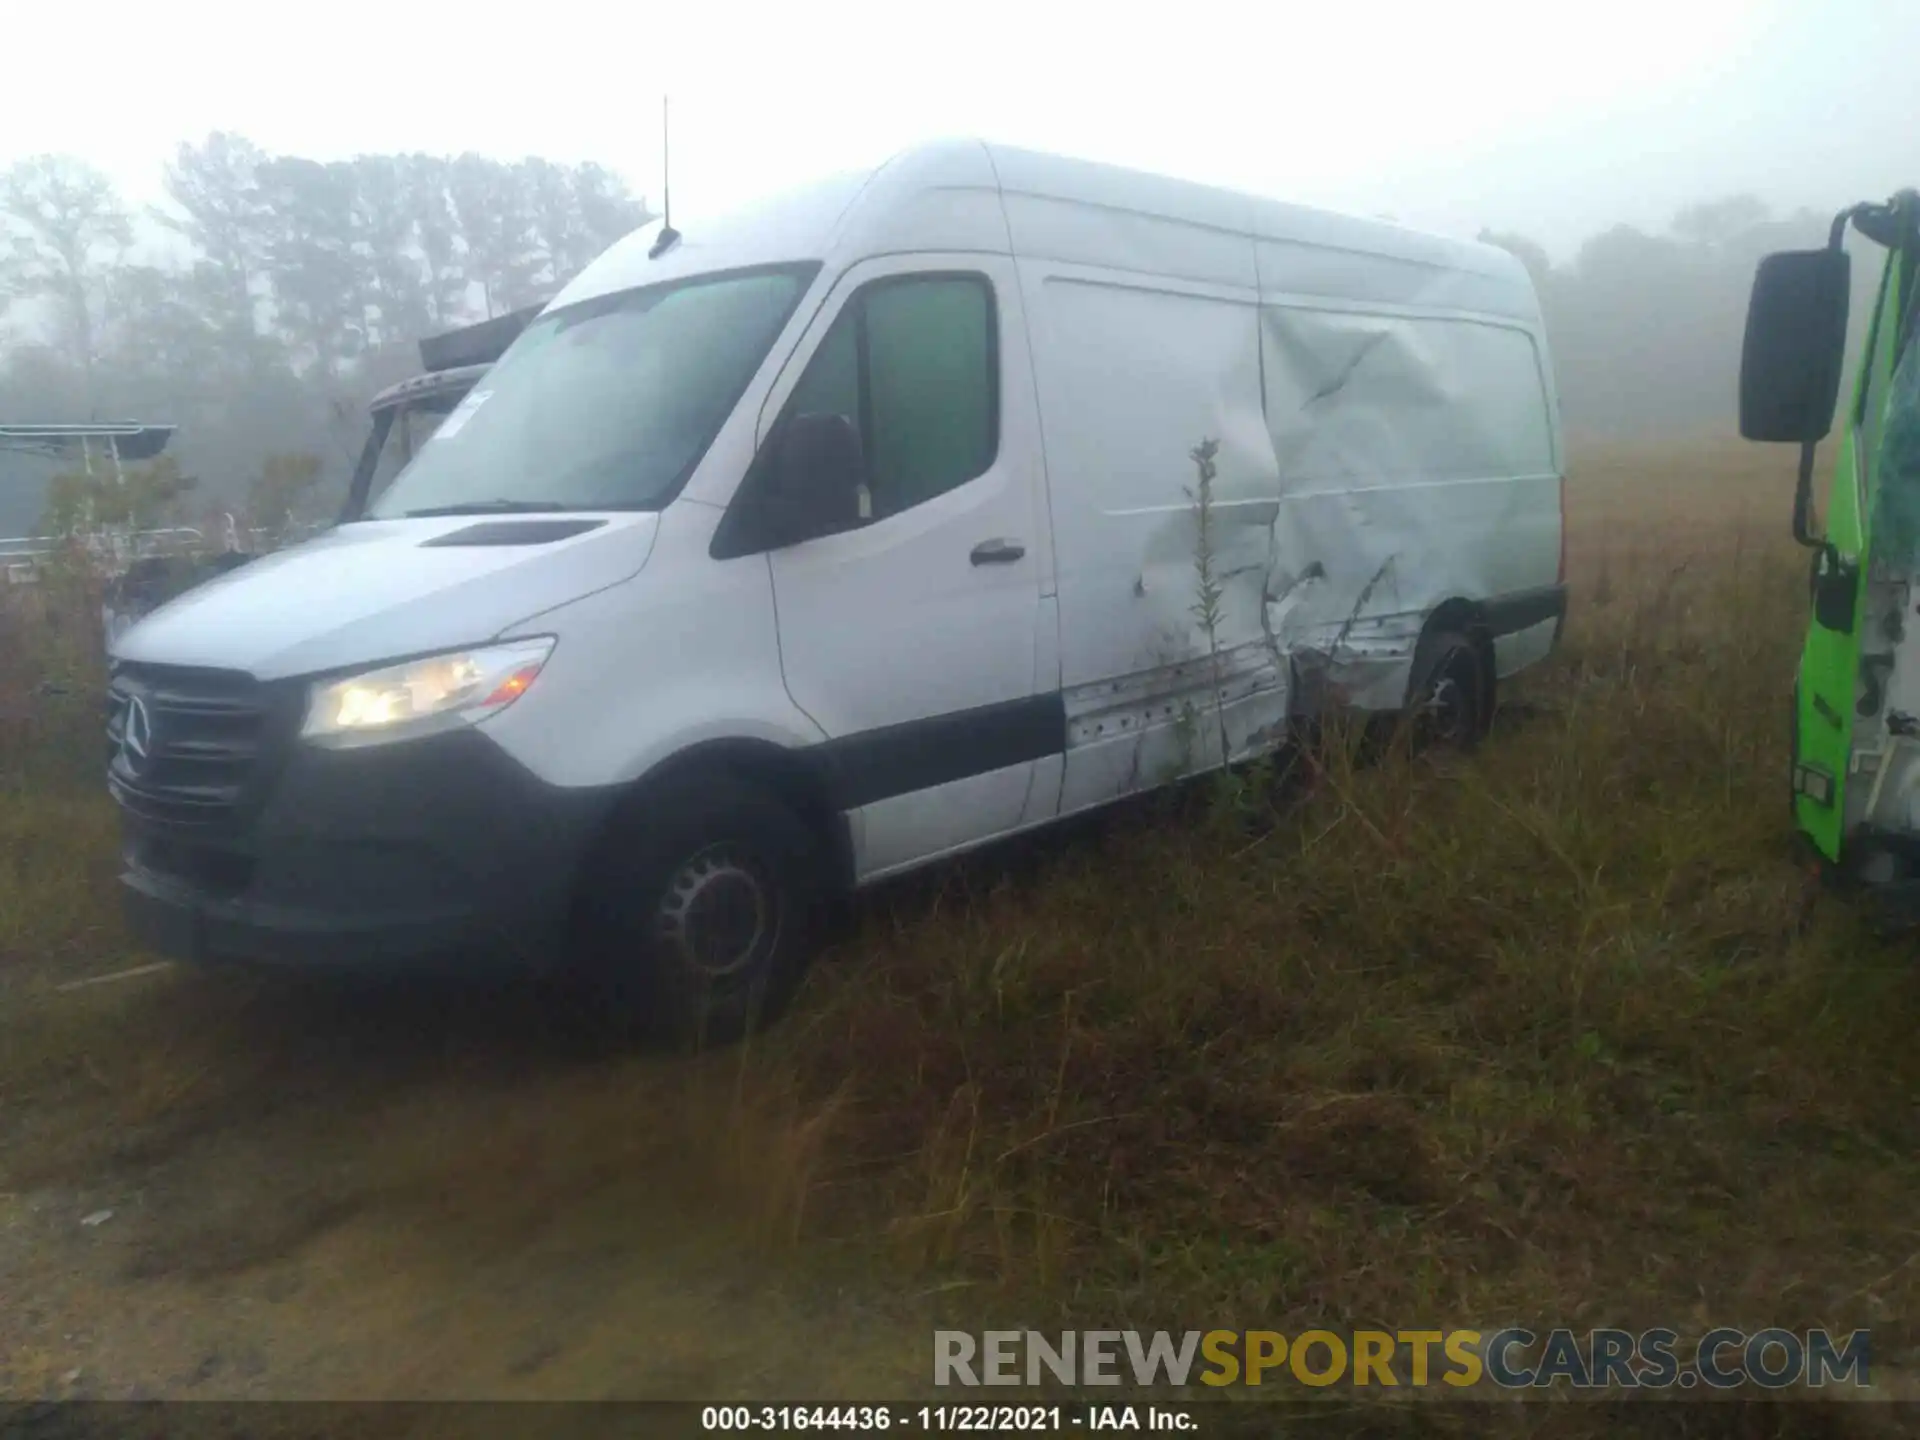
{"x": 1856, "y": 706}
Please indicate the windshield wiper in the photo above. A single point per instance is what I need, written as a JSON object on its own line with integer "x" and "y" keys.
{"x": 486, "y": 507}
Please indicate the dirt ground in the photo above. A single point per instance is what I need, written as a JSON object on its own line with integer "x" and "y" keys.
{"x": 373, "y": 1196}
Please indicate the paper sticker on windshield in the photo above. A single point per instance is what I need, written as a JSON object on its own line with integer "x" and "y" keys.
{"x": 461, "y": 413}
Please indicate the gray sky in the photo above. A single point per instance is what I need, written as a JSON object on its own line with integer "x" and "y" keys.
{"x": 1550, "y": 120}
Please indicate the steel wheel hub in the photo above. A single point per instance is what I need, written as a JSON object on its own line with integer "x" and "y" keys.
{"x": 717, "y": 913}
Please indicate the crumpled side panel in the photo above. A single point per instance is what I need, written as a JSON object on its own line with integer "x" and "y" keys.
{"x": 1369, "y": 466}
{"x": 1378, "y": 399}
{"x": 1131, "y": 380}
{"x": 1121, "y": 420}
{"x": 1417, "y": 465}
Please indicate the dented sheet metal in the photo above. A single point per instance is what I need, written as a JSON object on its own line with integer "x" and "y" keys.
{"x": 1370, "y": 464}
{"x": 1417, "y": 465}
{"x": 1131, "y": 379}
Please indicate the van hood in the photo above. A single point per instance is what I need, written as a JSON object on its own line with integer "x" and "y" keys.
{"x": 382, "y": 589}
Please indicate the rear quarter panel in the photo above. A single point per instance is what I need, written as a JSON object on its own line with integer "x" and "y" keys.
{"x": 1419, "y": 455}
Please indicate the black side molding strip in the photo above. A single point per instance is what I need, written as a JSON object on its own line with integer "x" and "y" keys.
{"x": 1523, "y": 609}
{"x": 919, "y": 754}
{"x": 915, "y": 755}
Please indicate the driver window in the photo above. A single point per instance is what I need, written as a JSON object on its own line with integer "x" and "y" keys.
{"x": 831, "y": 385}
{"x": 911, "y": 362}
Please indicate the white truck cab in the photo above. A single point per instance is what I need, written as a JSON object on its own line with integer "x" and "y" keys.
{"x": 813, "y": 547}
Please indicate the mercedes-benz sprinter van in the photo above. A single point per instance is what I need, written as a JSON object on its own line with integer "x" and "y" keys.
{"x": 806, "y": 549}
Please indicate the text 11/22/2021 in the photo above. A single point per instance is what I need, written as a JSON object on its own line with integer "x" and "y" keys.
{"x": 947, "y": 1419}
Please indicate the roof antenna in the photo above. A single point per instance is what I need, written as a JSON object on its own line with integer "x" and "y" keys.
{"x": 668, "y": 236}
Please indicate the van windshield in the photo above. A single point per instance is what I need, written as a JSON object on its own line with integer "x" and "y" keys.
{"x": 605, "y": 405}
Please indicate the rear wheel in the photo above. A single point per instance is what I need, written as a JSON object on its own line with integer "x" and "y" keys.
{"x": 701, "y": 912}
{"x": 1452, "y": 693}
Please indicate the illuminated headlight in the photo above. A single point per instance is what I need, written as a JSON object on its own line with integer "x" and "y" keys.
{"x": 419, "y": 697}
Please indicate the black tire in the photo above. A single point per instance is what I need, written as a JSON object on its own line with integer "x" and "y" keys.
{"x": 1450, "y": 702}
{"x": 701, "y": 908}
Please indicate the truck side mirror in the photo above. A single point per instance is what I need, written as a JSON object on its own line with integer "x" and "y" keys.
{"x": 816, "y": 479}
{"x": 1795, "y": 346}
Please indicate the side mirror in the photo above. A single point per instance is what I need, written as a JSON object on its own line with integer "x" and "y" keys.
{"x": 815, "y": 481}
{"x": 1795, "y": 346}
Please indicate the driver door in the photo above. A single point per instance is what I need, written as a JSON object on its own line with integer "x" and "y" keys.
{"x": 912, "y": 639}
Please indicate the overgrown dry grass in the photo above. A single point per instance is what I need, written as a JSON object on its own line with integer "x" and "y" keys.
{"x": 1558, "y": 1033}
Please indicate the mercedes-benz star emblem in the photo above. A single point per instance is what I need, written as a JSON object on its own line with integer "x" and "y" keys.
{"x": 136, "y": 738}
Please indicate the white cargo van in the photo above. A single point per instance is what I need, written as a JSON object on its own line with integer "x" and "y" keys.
{"x": 800, "y": 551}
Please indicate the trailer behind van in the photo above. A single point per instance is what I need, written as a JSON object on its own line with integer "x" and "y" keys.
{"x": 809, "y": 548}
{"x": 405, "y": 415}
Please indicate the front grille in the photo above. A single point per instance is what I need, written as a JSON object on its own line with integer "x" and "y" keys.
{"x": 188, "y": 757}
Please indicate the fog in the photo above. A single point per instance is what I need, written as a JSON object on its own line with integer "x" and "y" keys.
{"x": 242, "y": 230}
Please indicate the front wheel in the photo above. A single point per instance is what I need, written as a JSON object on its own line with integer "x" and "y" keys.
{"x": 700, "y": 914}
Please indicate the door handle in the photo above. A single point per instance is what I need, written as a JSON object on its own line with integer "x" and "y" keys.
{"x": 997, "y": 552}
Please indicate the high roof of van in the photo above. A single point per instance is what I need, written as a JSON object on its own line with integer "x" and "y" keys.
{"x": 967, "y": 195}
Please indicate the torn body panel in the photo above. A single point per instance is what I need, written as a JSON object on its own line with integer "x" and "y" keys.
{"x": 1419, "y": 467}
{"x": 1369, "y": 465}
{"x": 1138, "y": 730}
{"x": 1162, "y": 365}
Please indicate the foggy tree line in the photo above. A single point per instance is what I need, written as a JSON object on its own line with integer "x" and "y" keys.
{"x": 288, "y": 290}
{"x": 1646, "y": 328}
{"x": 275, "y": 293}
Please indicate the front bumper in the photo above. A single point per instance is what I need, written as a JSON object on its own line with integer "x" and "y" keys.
{"x": 438, "y": 851}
